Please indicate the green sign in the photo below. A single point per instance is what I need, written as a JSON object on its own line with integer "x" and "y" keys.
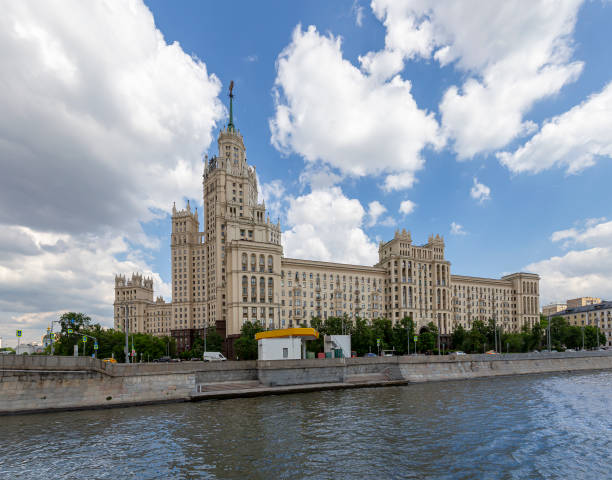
{"x": 84, "y": 339}
{"x": 70, "y": 330}
{"x": 96, "y": 346}
{"x": 415, "y": 338}
{"x": 52, "y": 335}
{"x": 378, "y": 341}
{"x": 19, "y": 332}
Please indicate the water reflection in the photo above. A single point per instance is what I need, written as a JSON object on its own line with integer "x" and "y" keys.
{"x": 515, "y": 427}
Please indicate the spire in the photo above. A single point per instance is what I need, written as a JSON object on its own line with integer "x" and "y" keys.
{"x": 230, "y": 126}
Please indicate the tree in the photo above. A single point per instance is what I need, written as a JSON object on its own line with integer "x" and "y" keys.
{"x": 382, "y": 328}
{"x": 214, "y": 341}
{"x": 514, "y": 342}
{"x": 428, "y": 338}
{"x": 362, "y": 339}
{"x": 402, "y": 332}
{"x": 458, "y": 337}
{"x": 246, "y": 345}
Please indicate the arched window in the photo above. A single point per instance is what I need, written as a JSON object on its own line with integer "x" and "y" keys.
{"x": 262, "y": 263}
{"x": 270, "y": 264}
{"x": 253, "y": 262}
{"x": 244, "y": 262}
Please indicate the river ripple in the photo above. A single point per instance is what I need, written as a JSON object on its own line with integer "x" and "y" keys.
{"x": 555, "y": 426}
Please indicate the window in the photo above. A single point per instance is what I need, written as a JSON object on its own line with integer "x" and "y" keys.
{"x": 285, "y": 353}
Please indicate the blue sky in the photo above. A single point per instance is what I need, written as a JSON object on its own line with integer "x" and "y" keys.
{"x": 505, "y": 233}
{"x": 488, "y": 124}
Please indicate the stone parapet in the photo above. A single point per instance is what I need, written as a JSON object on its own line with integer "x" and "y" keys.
{"x": 39, "y": 383}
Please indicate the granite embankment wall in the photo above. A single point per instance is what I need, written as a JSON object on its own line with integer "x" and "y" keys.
{"x": 39, "y": 383}
{"x": 35, "y": 383}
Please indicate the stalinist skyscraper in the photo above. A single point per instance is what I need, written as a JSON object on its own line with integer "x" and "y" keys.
{"x": 233, "y": 270}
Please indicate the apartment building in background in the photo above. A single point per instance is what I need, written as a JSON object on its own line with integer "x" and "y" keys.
{"x": 232, "y": 269}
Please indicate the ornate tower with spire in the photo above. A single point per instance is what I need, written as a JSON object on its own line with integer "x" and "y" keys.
{"x": 236, "y": 227}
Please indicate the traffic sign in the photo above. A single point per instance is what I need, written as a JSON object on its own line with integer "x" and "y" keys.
{"x": 96, "y": 346}
{"x": 84, "y": 338}
{"x": 70, "y": 330}
{"x": 416, "y": 338}
{"x": 378, "y": 341}
{"x": 19, "y": 332}
{"x": 52, "y": 335}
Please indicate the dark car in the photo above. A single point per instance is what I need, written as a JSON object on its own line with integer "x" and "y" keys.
{"x": 162, "y": 359}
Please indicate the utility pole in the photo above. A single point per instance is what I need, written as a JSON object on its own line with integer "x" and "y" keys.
{"x": 408, "y": 335}
{"x": 582, "y": 337}
{"x": 126, "y": 349}
{"x": 205, "y": 328}
{"x": 494, "y": 335}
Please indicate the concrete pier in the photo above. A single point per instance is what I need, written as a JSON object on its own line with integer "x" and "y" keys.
{"x": 45, "y": 383}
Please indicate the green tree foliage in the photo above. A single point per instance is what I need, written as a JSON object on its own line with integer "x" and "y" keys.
{"x": 563, "y": 335}
{"x": 214, "y": 343}
{"x": 428, "y": 338}
{"x": 402, "y": 332}
{"x": 110, "y": 342}
{"x": 246, "y": 345}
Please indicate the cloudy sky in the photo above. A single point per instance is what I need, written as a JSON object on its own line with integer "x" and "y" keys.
{"x": 487, "y": 122}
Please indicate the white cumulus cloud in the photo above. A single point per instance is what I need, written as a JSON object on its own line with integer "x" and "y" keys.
{"x": 375, "y": 210}
{"x": 513, "y": 53}
{"x": 407, "y": 207}
{"x": 327, "y": 110}
{"x": 103, "y": 125}
{"x": 457, "y": 229}
{"x": 480, "y": 192}
{"x": 573, "y": 140}
{"x": 584, "y": 270}
{"x": 326, "y": 225}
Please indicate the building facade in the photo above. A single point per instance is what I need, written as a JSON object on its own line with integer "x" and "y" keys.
{"x": 582, "y": 302}
{"x": 552, "y": 308}
{"x": 233, "y": 270}
{"x": 595, "y": 314}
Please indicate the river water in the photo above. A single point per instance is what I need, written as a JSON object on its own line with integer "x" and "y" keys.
{"x": 524, "y": 427}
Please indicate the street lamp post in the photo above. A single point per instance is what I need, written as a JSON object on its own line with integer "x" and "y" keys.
{"x": 582, "y": 337}
{"x": 51, "y": 336}
{"x": 205, "y": 330}
{"x": 126, "y": 349}
{"x": 439, "y": 326}
{"x": 408, "y": 335}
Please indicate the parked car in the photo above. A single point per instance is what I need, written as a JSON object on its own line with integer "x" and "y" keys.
{"x": 213, "y": 357}
{"x": 491, "y": 352}
{"x": 570, "y": 350}
{"x": 459, "y": 352}
{"x": 109, "y": 360}
{"x": 370, "y": 354}
{"x": 162, "y": 360}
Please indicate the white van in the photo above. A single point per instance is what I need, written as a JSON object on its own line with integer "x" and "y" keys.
{"x": 214, "y": 357}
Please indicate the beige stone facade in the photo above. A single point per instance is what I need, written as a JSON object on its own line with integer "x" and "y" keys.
{"x": 553, "y": 308}
{"x": 233, "y": 270}
{"x": 144, "y": 314}
{"x": 582, "y": 302}
{"x": 595, "y": 314}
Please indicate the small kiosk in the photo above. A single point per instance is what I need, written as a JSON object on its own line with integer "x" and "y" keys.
{"x": 284, "y": 344}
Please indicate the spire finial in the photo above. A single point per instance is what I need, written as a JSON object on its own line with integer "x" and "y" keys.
{"x": 230, "y": 126}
